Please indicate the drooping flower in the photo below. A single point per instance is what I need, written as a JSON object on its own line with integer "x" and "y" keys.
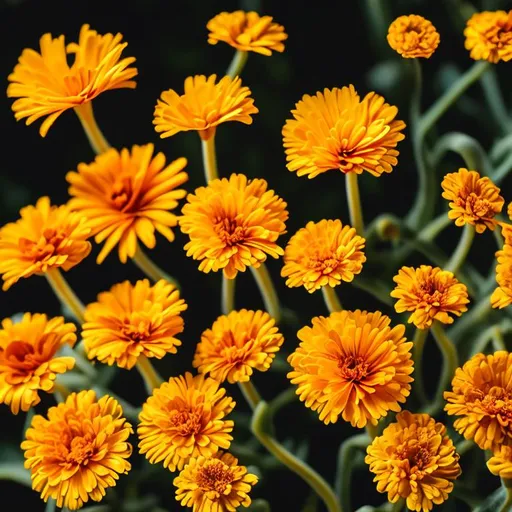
{"x": 473, "y": 200}
{"x": 430, "y": 293}
{"x": 204, "y": 105}
{"x": 500, "y": 463}
{"x": 130, "y": 320}
{"x": 126, "y": 195}
{"x": 502, "y": 295}
{"x": 79, "y": 451}
{"x": 337, "y": 130}
{"x": 28, "y": 362}
{"x": 413, "y": 36}
{"x": 45, "y": 237}
{"x": 323, "y": 253}
{"x": 184, "y": 418}
{"x": 415, "y": 460}
{"x": 237, "y": 344}
{"x": 46, "y": 85}
{"x": 352, "y": 364}
{"x": 233, "y": 224}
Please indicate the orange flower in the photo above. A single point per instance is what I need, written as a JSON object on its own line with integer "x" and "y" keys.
{"x": 352, "y": 364}
{"x": 126, "y": 196}
{"x": 500, "y": 464}
{"x": 79, "y": 451}
{"x": 413, "y": 36}
{"x": 233, "y": 224}
{"x": 502, "y": 296}
{"x": 45, "y": 237}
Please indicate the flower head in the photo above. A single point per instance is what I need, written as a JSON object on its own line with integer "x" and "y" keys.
{"x": 323, "y": 253}
{"x": 184, "y": 418}
{"x": 44, "y": 238}
{"x": 247, "y": 32}
{"x": 337, "y": 130}
{"x": 500, "y": 464}
{"x": 28, "y": 362}
{"x": 79, "y": 451}
{"x": 413, "y": 36}
{"x": 430, "y": 294}
{"x": 415, "y": 460}
{"x": 46, "y": 85}
{"x": 130, "y": 320}
{"x": 502, "y": 295}
{"x": 352, "y": 364}
{"x": 473, "y": 200}
{"x": 236, "y": 344}
{"x": 233, "y": 224}
{"x": 126, "y": 196}
{"x": 204, "y": 105}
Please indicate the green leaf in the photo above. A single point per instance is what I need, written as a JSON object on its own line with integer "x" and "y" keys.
{"x": 11, "y": 465}
{"x": 494, "y": 502}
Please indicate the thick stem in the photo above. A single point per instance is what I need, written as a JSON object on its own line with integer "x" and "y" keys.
{"x": 372, "y": 430}
{"x": 228, "y": 295}
{"x": 148, "y": 266}
{"x": 237, "y": 64}
{"x": 267, "y": 290}
{"x": 494, "y": 99}
{"x": 151, "y": 378}
{"x": 209, "y": 159}
{"x": 250, "y": 393}
{"x": 331, "y": 299}
{"x": 462, "y": 250}
{"x": 97, "y": 140}
{"x": 420, "y": 337}
{"x": 65, "y": 294}
{"x": 354, "y": 203}
{"x": 507, "y": 506}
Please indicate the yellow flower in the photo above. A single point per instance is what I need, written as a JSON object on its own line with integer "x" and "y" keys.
{"x": 204, "y": 105}
{"x": 47, "y": 85}
{"x": 430, "y": 293}
{"x": 500, "y": 464}
{"x": 237, "y": 343}
{"x": 184, "y": 418}
{"x": 79, "y": 451}
{"x": 126, "y": 196}
{"x": 413, "y": 36}
{"x": 337, "y": 130}
{"x": 502, "y": 296}
{"x": 481, "y": 397}
{"x": 415, "y": 460}
{"x": 28, "y": 362}
{"x": 247, "y": 32}
{"x": 489, "y": 36}
{"x": 45, "y": 237}
{"x": 233, "y": 224}
{"x": 130, "y": 320}
{"x": 323, "y": 253}
{"x": 473, "y": 200}
{"x": 352, "y": 364}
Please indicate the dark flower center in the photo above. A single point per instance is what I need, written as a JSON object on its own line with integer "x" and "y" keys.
{"x": 215, "y": 476}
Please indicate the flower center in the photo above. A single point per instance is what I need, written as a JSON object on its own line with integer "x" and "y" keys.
{"x": 345, "y": 163}
{"x": 495, "y": 401}
{"x": 122, "y": 194}
{"x": 229, "y": 231}
{"x": 475, "y": 205}
{"x": 215, "y": 476}
{"x": 353, "y": 368}
{"x": 137, "y": 329}
{"x": 47, "y": 245}
{"x": 80, "y": 451}
{"x": 186, "y": 422}
{"x": 416, "y": 454}
{"x": 20, "y": 355}
{"x": 325, "y": 265}
{"x": 429, "y": 294}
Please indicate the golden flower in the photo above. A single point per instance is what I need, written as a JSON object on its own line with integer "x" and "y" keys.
{"x": 413, "y": 36}
{"x": 482, "y": 397}
{"x": 204, "y": 105}
{"x": 79, "y": 451}
{"x": 489, "y": 36}
{"x": 337, "y": 130}
{"x": 353, "y": 364}
{"x": 184, "y": 418}
{"x": 473, "y": 200}
{"x": 44, "y": 238}
{"x": 233, "y": 223}
{"x": 214, "y": 484}
{"x": 237, "y": 343}
{"x": 130, "y": 320}
{"x": 126, "y": 196}
{"x": 28, "y": 362}
{"x": 502, "y": 295}
{"x": 323, "y": 253}
{"x": 247, "y": 32}
{"x": 430, "y": 293}
{"x": 415, "y": 460}
{"x": 47, "y": 86}
{"x": 500, "y": 464}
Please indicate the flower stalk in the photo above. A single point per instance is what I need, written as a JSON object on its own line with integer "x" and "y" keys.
{"x": 94, "y": 135}
{"x": 268, "y": 291}
{"x": 459, "y": 256}
{"x": 209, "y": 158}
{"x": 354, "y": 203}
{"x": 420, "y": 337}
{"x": 228, "y": 295}
{"x": 152, "y": 379}
{"x": 150, "y": 269}
{"x": 65, "y": 294}
{"x": 237, "y": 63}
{"x": 331, "y": 299}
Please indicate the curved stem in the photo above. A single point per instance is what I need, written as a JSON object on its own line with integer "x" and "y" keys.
{"x": 151, "y": 378}
{"x": 420, "y": 336}
{"x": 435, "y": 227}
{"x": 374, "y": 287}
{"x": 372, "y": 430}
{"x": 462, "y": 250}
{"x": 498, "y": 341}
{"x": 150, "y": 269}
{"x": 502, "y": 171}
{"x": 15, "y": 472}
{"x": 227, "y": 295}
{"x": 354, "y": 203}
{"x": 331, "y": 299}
{"x": 209, "y": 159}
{"x": 65, "y": 294}
{"x": 250, "y": 393}
{"x": 472, "y": 318}
{"x": 237, "y": 64}
{"x": 97, "y": 140}
{"x": 507, "y": 506}
{"x": 61, "y": 389}
{"x": 267, "y": 290}
{"x": 501, "y": 148}
{"x": 494, "y": 99}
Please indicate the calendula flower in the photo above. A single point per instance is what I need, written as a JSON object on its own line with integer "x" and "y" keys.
{"x": 247, "y": 32}
{"x": 473, "y": 200}
{"x": 413, "y": 36}
{"x": 236, "y": 344}
{"x": 481, "y": 397}
{"x": 337, "y": 130}
{"x": 500, "y": 464}
{"x": 323, "y": 253}
{"x": 502, "y": 295}
{"x": 430, "y": 293}
{"x": 79, "y": 451}
{"x": 184, "y": 418}
{"x": 44, "y": 238}
{"x": 46, "y": 85}
{"x": 233, "y": 224}
{"x": 204, "y": 105}
{"x": 489, "y": 36}
{"x": 126, "y": 195}
{"x": 215, "y": 483}
{"x": 28, "y": 362}
{"x": 415, "y": 460}
{"x": 352, "y": 364}
{"x": 130, "y": 320}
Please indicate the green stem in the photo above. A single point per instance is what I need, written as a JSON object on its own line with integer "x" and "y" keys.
{"x": 507, "y": 506}
{"x": 494, "y": 99}
{"x": 398, "y": 505}
{"x": 420, "y": 337}
{"x": 151, "y": 378}
{"x": 498, "y": 342}
{"x": 502, "y": 170}
{"x": 65, "y": 294}
{"x": 354, "y": 203}
{"x": 209, "y": 159}
{"x": 462, "y": 250}
{"x": 464, "y": 446}
{"x": 267, "y": 290}
{"x": 15, "y": 472}
{"x": 250, "y": 393}
{"x": 331, "y": 299}
{"x": 501, "y": 148}
{"x": 472, "y": 318}
{"x": 435, "y": 227}
{"x": 374, "y": 287}
{"x": 372, "y": 430}
{"x": 237, "y": 64}
{"x": 150, "y": 269}
{"x": 227, "y": 295}
{"x": 96, "y": 138}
